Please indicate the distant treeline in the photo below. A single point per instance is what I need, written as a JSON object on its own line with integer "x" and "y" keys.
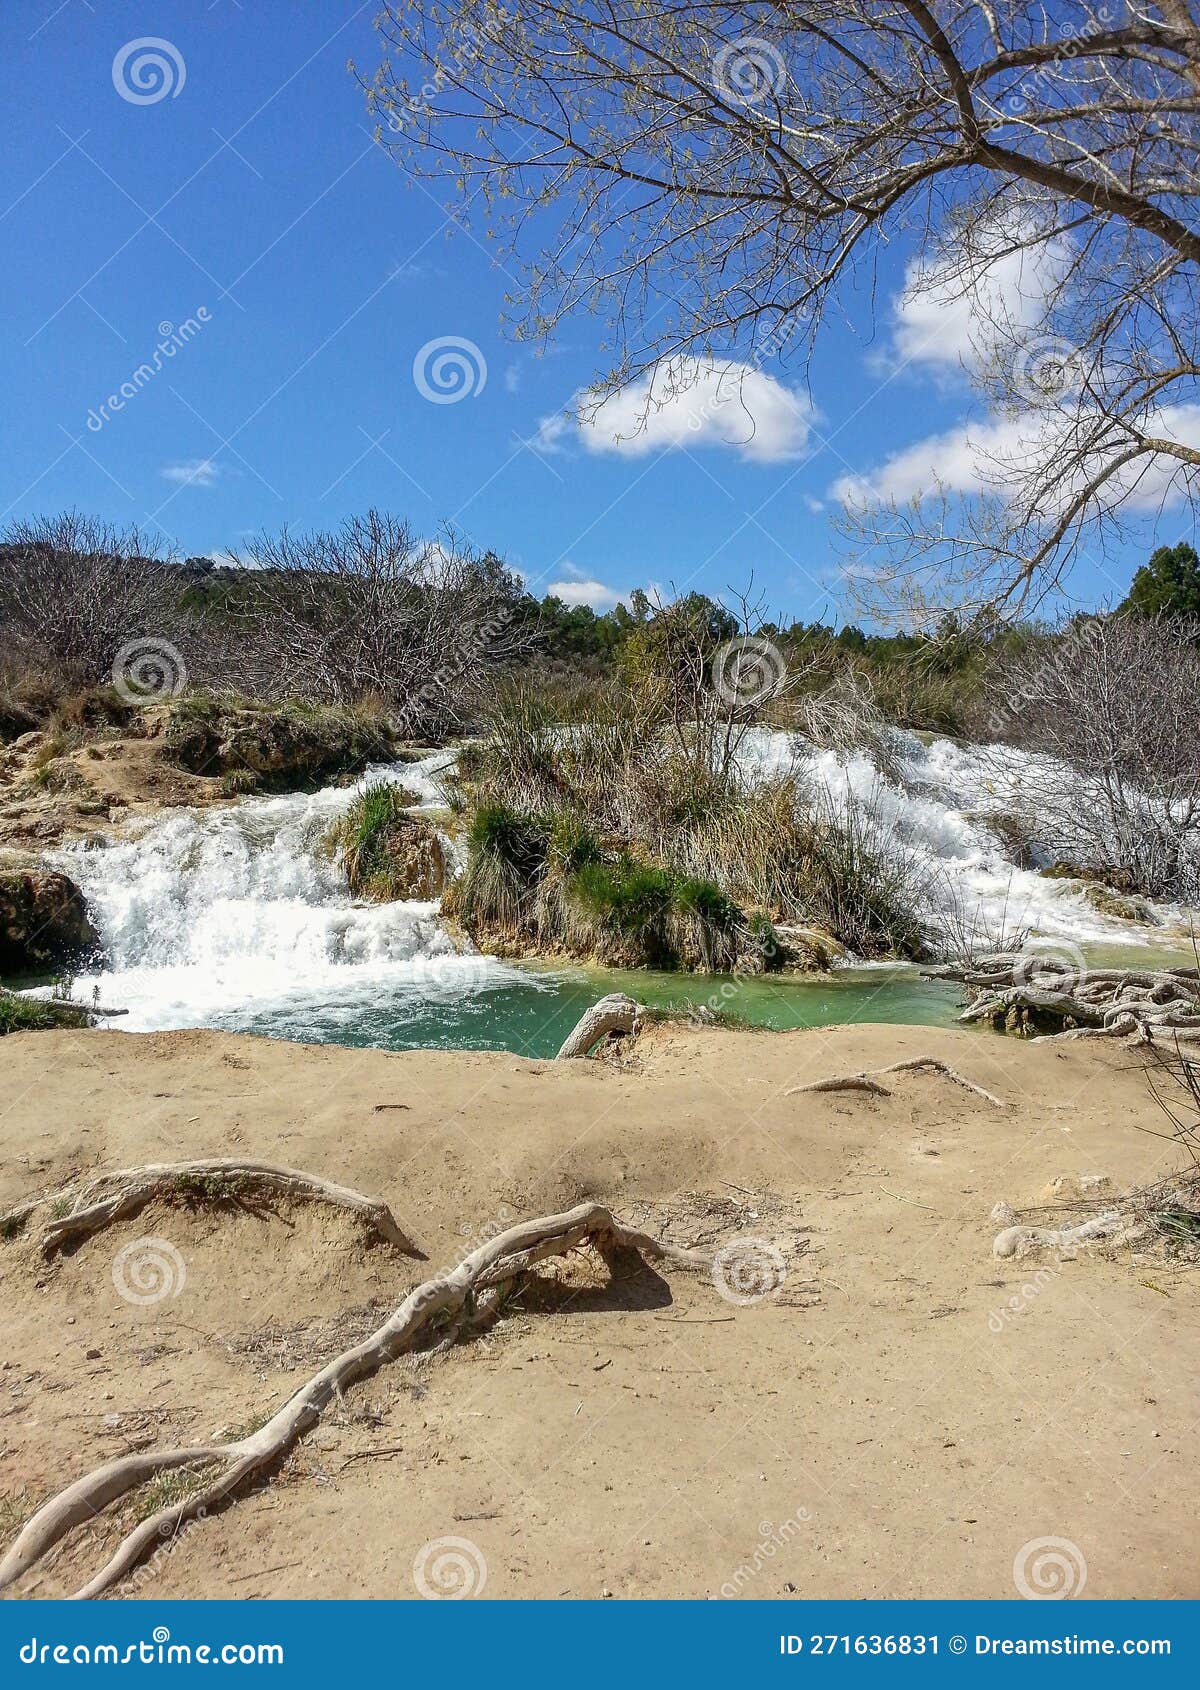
{"x": 426, "y": 629}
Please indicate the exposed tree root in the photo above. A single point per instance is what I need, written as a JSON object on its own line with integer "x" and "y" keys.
{"x": 913, "y": 1065}
{"x": 98, "y": 1203}
{"x": 1019, "y": 1240}
{"x": 442, "y": 1308}
{"x": 1044, "y": 995}
{"x": 613, "y": 1014}
{"x": 842, "y": 1082}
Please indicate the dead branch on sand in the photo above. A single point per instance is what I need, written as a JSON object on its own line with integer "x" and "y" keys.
{"x": 864, "y": 1081}
{"x": 1017, "y": 1240}
{"x": 1036, "y": 994}
{"x": 614, "y": 1014}
{"x": 442, "y": 1308}
{"x": 88, "y": 1206}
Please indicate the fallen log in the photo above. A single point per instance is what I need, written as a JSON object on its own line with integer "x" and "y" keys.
{"x": 865, "y": 1081}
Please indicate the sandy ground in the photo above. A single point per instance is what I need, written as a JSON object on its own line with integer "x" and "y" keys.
{"x": 904, "y": 1416}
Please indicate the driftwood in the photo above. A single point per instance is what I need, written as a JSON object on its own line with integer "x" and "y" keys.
{"x": 443, "y": 1308}
{"x": 1049, "y": 996}
{"x": 77, "y": 1211}
{"x": 613, "y": 1014}
{"x": 864, "y": 1081}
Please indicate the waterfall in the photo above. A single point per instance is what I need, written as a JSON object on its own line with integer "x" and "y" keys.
{"x": 933, "y": 803}
{"x": 208, "y": 915}
{"x": 236, "y": 916}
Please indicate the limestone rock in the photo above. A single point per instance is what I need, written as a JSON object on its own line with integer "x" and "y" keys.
{"x": 43, "y": 921}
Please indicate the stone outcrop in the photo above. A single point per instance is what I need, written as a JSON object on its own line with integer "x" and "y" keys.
{"x": 43, "y": 921}
{"x": 274, "y": 744}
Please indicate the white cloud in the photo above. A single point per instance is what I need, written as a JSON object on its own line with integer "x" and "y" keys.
{"x": 592, "y": 593}
{"x": 193, "y": 472}
{"x": 971, "y": 458}
{"x": 689, "y": 403}
{"x": 946, "y": 317}
{"x": 958, "y": 460}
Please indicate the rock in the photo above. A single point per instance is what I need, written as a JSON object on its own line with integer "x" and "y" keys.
{"x": 277, "y": 743}
{"x": 808, "y": 950}
{"x": 1118, "y": 905}
{"x": 1117, "y": 879}
{"x": 43, "y": 921}
{"x": 405, "y": 860}
{"x": 1013, "y": 835}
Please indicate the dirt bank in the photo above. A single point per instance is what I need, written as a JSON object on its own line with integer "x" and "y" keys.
{"x": 902, "y": 1416}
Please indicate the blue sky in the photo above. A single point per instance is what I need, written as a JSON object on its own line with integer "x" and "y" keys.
{"x": 253, "y": 193}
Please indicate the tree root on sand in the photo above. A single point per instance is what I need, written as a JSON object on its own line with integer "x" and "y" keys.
{"x": 442, "y": 1308}
{"x": 1032, "y": 993}
{"x": 613, "y": 1014}
{"x": 100, "y": 1202}
{"x": 864, "y": 1081}
{"x": 1020, "y": 1240}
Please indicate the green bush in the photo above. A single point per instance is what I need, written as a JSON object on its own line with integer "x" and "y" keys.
{"x": 20, "y": 1014}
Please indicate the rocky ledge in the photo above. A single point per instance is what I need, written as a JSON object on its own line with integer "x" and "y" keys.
{"x": 43, "y": 922}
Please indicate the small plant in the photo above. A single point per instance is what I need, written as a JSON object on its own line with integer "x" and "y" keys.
{"x": 166, "y": 1489}
{"x": 197, "y": 1189}
{"x": 24, "y": 1015}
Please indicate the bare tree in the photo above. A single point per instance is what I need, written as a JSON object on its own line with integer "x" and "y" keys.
{"x": 371, "y": 608}
{"x": 74, "y": 591}
{"x": 1110, "y": 711}
{"x": 722, "y": 173}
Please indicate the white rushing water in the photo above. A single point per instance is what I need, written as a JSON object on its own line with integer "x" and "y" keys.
{"x": 238, "y": 913}
{"x": 208, "y": 911}
{"x": 935, "y": 811}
